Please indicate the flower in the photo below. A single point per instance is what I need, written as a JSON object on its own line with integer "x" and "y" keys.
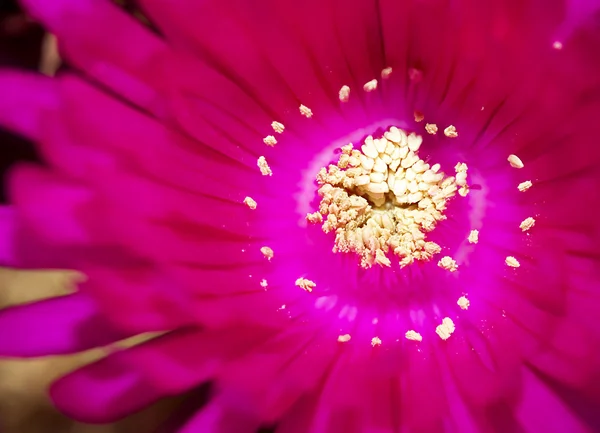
{"x": 180, "y": 178}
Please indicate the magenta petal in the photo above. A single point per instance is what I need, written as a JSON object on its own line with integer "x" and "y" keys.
{"x": 541, "y": 410}
{"x": 55, "y": 326}
{"x": 104, "y": 391}
{"x": 217, "y": 418}
{"x": 7, "y": 233}
{"x": 125, "y": 62}
{"x": 25, "y": 97}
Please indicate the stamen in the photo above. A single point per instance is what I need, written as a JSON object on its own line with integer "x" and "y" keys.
{"x": 385, "y": 73}
{"x": 267, "y": 252}
{"x": 344, "y": 338}
{"x": 413, "y": 335}
{"x": 527, "y": 223}
{"x": 264, "y": 284}
{"x": 446, "y": 329}
{"x": 344, "y": 94}
{"x": 384, "y": 198}
{"x": 473, "y": 237}
{"x": 265, "y": 170}
{"x": 418, "y": 116}
{"x": 524, "y": 186}
{"x": 370, "y": 86}
{"x": 278, "y": 127}
{"x": 431, "y": 128}
{"x": 512, "y": 262}
{"x": 270, "y": 141}
{"x": 450, "y": 132}
{"x": 305, "y": 111}
{"x": 250, "y": 202}
{"x": 375, "y": 341}
{"x": 463, "y": 303}
{"x": 515, "y": 161}
{"x": 448, "y": 263}
{"x": 306, "y": 284}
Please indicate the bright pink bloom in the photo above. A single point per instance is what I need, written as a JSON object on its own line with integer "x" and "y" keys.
{"x": 152, "y": 147}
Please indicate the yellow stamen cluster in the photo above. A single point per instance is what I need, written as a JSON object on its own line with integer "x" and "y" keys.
{"x": 386, "y": 72}
{"x": 463, "y": 303}
{"x": 473, "y": 236}
{"x": 515, "y": 161}
{"x": 375, "y": 341}
{"x": 413, "y": 335}
{"x": 305, "y": 111}
{"x": 450, "y": 132}
{"x": 512, "y": 262}
{"x": 370, "y": 86}
{"x": 527, "y": 223}
{"x": 267, "y": 252}
{"x": 431, "y": 128}
{"x": 524, "y": 186}
{"x": 384, "y": 198}
{"x": 250, "y": 202}
{"x": 344, "y": 94}
{"x": 305, "y": 284}
{"x": 263, "y": 166}
{"x": 344, "y": 338}
{"x": 446, "y": 329}
{"x": 270, "y": 141}
{"x": 448, "y": 263}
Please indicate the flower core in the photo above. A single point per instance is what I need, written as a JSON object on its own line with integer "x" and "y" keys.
{"x": 381, "y": 200}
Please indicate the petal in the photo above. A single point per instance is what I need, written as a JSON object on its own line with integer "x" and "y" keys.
{"x": 540, "y": 409}
{"x": 67, "y": 324}
{"x": 104, "y": 391}
{"x": 7, "y": 234}
{"x": 25, "y": 99}
{"x": 125, "y": 63}
{"x": 218, "y": 418}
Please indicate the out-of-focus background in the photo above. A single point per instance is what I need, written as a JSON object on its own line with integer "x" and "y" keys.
{"x": 24, "y": 405}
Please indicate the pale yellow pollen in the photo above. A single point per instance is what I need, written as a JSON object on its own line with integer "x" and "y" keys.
{"x": 527, "y": 223}
{"x": 370, "y": 85}
{"x": 386, "y": 72}
{"x": 381, "y": 200}
{"x": 306, "y": 284}
{"x": 463, "y": 303}
{"x": 515, "y": 161}
{"x": 264, "y": 284}
{"x": 270, "y": 140}
{"x": 431, "y": 128}
{"x": 446, "y": 329}
{"x": 418, "y": 116}
{"x": 413, "y": 336}
{"x": 314, "y": 218}
{"x": 267, "y": 252}
{"x": 265, "y": 170}
{"x": 448, "y": 263}
{"x": 344, "y": 338}
{"x": 278, "y": 127}
{"x": 375, "y": 341}
{"x": 305, "y": 111}
{"x": 473, "y": 236}
{"x": 250, "y": 202}
{"x": 512, "y": 262}
{"x": 524, "y": 186}
{"x": 344, "y": 94}
{"x": 450, "y": 132}
{"x": 557, "y": 45}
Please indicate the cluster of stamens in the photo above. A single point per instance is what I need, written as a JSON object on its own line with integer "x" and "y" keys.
{"x": 384, "y": 198}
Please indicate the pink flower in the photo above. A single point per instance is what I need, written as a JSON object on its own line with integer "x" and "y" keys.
{"x": 152, "y": 146}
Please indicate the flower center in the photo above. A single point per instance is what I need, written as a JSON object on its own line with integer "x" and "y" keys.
{"x": 382, "y": 200}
